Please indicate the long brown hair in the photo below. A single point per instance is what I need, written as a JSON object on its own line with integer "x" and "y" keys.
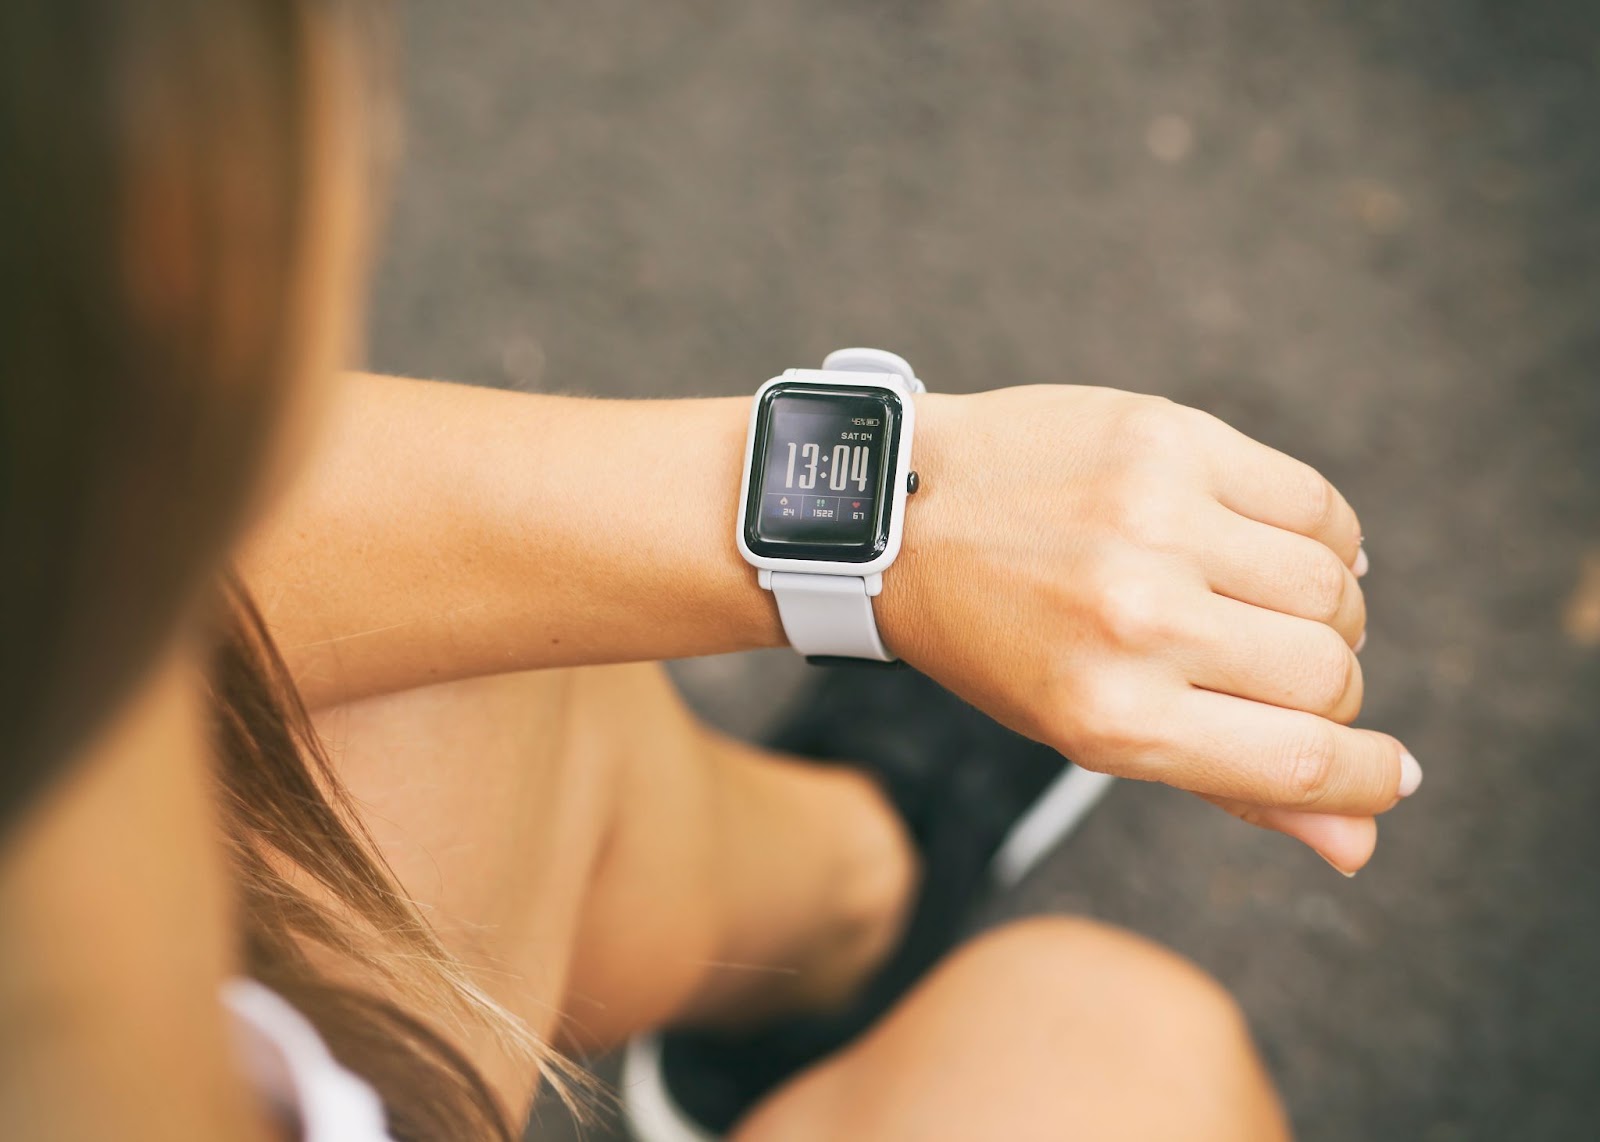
{"x": 285, "y": 807}
{"x": 154, "y": 189}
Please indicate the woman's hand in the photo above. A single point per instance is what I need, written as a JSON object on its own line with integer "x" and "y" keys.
{"x": 1154, "y": 594}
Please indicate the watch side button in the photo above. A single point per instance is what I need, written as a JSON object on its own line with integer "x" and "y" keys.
{"x": 913, "y": 482}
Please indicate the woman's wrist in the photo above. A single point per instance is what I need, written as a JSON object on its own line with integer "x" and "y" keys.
{"x": 896, "y": 610}
{"x": 670, "y": 578}
{"x": 902, "y": 609}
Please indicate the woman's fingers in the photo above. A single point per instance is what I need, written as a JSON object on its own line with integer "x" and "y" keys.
{"x": 1231, "y": 747}
{"x": 1271, "y": 657}
{"x": 1282, "y": 571}
{"x": 1347, "y": 843}
{"x": 1265, "y": 485}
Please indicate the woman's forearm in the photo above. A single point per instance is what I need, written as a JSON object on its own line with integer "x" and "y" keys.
{"x": 1129, "y": 581}
{"x": 442, "y": 532}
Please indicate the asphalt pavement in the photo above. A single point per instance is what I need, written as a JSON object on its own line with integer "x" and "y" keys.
{"x": 1368, "y": 234}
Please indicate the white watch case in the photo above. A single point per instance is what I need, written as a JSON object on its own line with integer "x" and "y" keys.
{"x": 846, "y": 368}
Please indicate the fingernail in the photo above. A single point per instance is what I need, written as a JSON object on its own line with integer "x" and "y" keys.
{"x": 1362, "y": 564}
{"x": 1410, "y": 774}
{"x": 1360, "y": 642}
{"x": 1337, "y": 869}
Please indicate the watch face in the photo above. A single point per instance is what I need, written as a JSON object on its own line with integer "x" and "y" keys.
{"x": 822, "y": 468}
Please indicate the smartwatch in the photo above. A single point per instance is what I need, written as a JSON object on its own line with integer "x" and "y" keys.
{"x": 827, "y": 470}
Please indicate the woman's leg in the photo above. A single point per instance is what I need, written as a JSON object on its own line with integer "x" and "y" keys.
{"x": 608, "y": 864}
{"x": 1049, "y": 1029}
{"x": 743, "y": 883}
{"x": 611, "y": 865}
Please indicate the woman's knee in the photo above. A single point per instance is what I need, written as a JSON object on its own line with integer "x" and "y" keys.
{"x": 1066, "y": 1026}
{"x": 1091, "y": 973}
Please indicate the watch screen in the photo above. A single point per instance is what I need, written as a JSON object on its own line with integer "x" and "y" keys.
{"x": 822, "y": 469}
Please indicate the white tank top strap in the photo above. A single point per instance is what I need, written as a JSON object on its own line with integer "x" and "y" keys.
{"x": 282, "y": 1055}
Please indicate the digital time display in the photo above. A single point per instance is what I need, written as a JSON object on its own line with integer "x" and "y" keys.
{"x": 823, "y": 469}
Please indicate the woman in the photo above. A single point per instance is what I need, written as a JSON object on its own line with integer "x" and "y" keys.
{"x": 543, "y": 854}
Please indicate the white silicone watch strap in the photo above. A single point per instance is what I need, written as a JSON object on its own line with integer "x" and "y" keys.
{"x": 828, "y": 616}
{"x": 874, "y": 361}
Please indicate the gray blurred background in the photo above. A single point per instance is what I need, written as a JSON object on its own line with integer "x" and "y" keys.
{"x": 1366, "y": 233}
